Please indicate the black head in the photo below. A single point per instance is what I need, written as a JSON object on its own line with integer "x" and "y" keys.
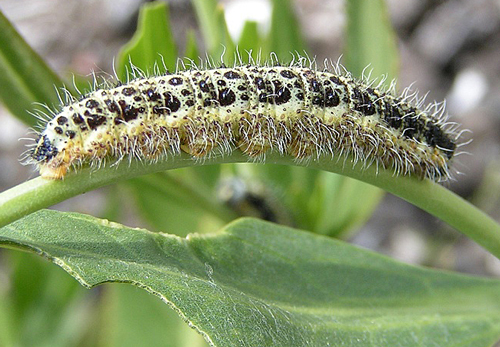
{"x": 44, "y": 151}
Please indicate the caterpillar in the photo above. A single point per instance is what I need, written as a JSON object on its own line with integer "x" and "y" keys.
{"x": 294, "y": 110}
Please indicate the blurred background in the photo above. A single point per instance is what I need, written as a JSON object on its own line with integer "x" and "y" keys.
{"x": 450, "y": 48}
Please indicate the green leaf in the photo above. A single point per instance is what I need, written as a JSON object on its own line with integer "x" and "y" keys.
{"x": 341, "y": 194}
{"x": 135, "y": 318}
{"x": 220, "y": 46}
{"x": 40, "y": 300}
{"x": 25, "y": 78}
{"x": 191, "y": 51}
{"x": 371, "y": 42}
{"x": 285, "y": 36}
{"x": 171, "y": 203}
{"x": 259, "y": 284}
{"x": 152, "y": 44}
{"x": 209, "y": 25}
{"x": 250, "y": 41}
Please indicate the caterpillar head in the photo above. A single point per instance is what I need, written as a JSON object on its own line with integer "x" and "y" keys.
{"x": 51, "y": 162}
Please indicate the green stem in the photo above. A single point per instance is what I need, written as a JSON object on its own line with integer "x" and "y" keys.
{"x": 431, "y": 197}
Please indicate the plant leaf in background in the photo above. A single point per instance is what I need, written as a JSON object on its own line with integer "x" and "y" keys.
{"x": 152, "y": 44}
{"x": 213, "y": 27}
{"x": 42, "y": 305}
{"x": 370, "y": 40}
{"x": 261, "y": 284}
{"x": 249, "y": 42}
{"x": 191, "y": 51}
{"x": 25, "y": 79}
{"x": 285, "y": 37}
{"x": 171, "y": 201}
{"x": 133, "y": 317}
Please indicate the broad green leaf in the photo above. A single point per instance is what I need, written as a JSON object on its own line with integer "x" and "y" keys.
{"x": 25, "y": 79}
{"x": 152, "y": 45}
{"x": 259, "y": 284}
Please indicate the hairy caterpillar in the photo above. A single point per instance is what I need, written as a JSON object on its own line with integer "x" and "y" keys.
{"x": 294, "y": 110}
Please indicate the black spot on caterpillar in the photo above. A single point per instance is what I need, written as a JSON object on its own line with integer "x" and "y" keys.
{"x": 294, "y": 110}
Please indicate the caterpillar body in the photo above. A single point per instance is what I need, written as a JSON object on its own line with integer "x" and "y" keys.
{"x": 294, "y": 110}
